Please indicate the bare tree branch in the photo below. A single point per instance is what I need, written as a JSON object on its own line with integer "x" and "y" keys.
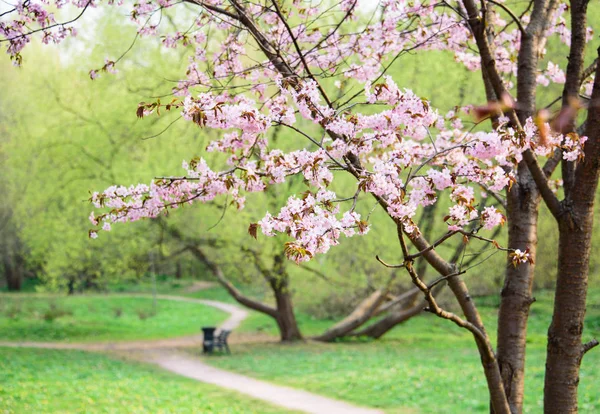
{"x": 589, "y": 345}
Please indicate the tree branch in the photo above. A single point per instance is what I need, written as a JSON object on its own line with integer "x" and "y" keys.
{"x": 359, "y": 316}
{"x": 48, "y": 27}
{"x": 511, "y": 14}
{"x": 433, "y": 305}
{"x": 589, "y": 70}
{"x": 215, "y": 269}
{"x": 589, "y": 345}
{"x": 299, "y": 51}
{"x": 432, "y": 246}
{"x": 396, "y": 300}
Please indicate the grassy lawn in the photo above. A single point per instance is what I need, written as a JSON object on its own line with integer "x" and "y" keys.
{"x": 94, "y": 318}
{"x": 393, "y": 374}
{"x": 50, "y": 381}
{"x": 427, "y": 364}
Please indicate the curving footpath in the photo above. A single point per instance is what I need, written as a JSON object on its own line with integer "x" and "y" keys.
{"x": 164, "y": 354}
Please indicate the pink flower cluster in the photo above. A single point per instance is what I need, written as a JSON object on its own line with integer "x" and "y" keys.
{"x": 313, "y": 222}
{"x": 409, "y": 156}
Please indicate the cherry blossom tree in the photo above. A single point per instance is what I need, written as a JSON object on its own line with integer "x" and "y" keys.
{"x": 321, "y": 70}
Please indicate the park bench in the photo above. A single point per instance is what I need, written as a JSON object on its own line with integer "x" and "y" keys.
{"x": 212, "y": 342}
{"x": 221, "y": 341}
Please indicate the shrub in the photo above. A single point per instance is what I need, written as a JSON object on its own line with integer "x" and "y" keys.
{"x": 13, "y": 311}
{"x": 55, "y": 312}
{"x": 118, "y": 311}
{"x": 145, "y": 314}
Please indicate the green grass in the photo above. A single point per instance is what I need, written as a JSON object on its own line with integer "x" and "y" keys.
{"x": 422, "y": 366}
{"x": 51, "y": 381}
{"x": 95, "y": 318}
{"x": 393, "y": 374}
{"x": 425, "y": 364}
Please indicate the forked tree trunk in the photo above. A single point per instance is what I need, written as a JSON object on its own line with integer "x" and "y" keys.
{"x": 523, "y": 201}
{"x": 516, "y": 297}
{"x": 565, "y": 350}
{"x": 283, "y": 313}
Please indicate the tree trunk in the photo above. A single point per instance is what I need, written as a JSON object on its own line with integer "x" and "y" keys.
{"x": 565, "y": 350}
{"x": 13, "y": 273}
{"x": 516, "y": 297}
{"x": 178, "y": 271}
{"x": 280, "y": 283}
{"x": 397, "y": 316}
{"x": 286, "y": 319}
{"x": 277, "y": 277}
{"x": 71, "y": 286}
{"x": 360, "y": 315}
{"x": 399, "y": 313}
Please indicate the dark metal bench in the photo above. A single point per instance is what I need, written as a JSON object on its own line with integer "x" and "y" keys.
{"x": 221, "y": 341}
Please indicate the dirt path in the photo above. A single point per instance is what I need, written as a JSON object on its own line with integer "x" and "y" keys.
{"x": 290, "y": 398}
{"x": 164, "y": 354}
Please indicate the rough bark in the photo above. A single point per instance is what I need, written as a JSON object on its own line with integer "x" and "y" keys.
{"x": 573, "y": 80}
{"x": 522, "y": 201}
{"x": 516, "y": 296}
{"x": 565, "y": 350}
{"x": 528, "y": 59}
